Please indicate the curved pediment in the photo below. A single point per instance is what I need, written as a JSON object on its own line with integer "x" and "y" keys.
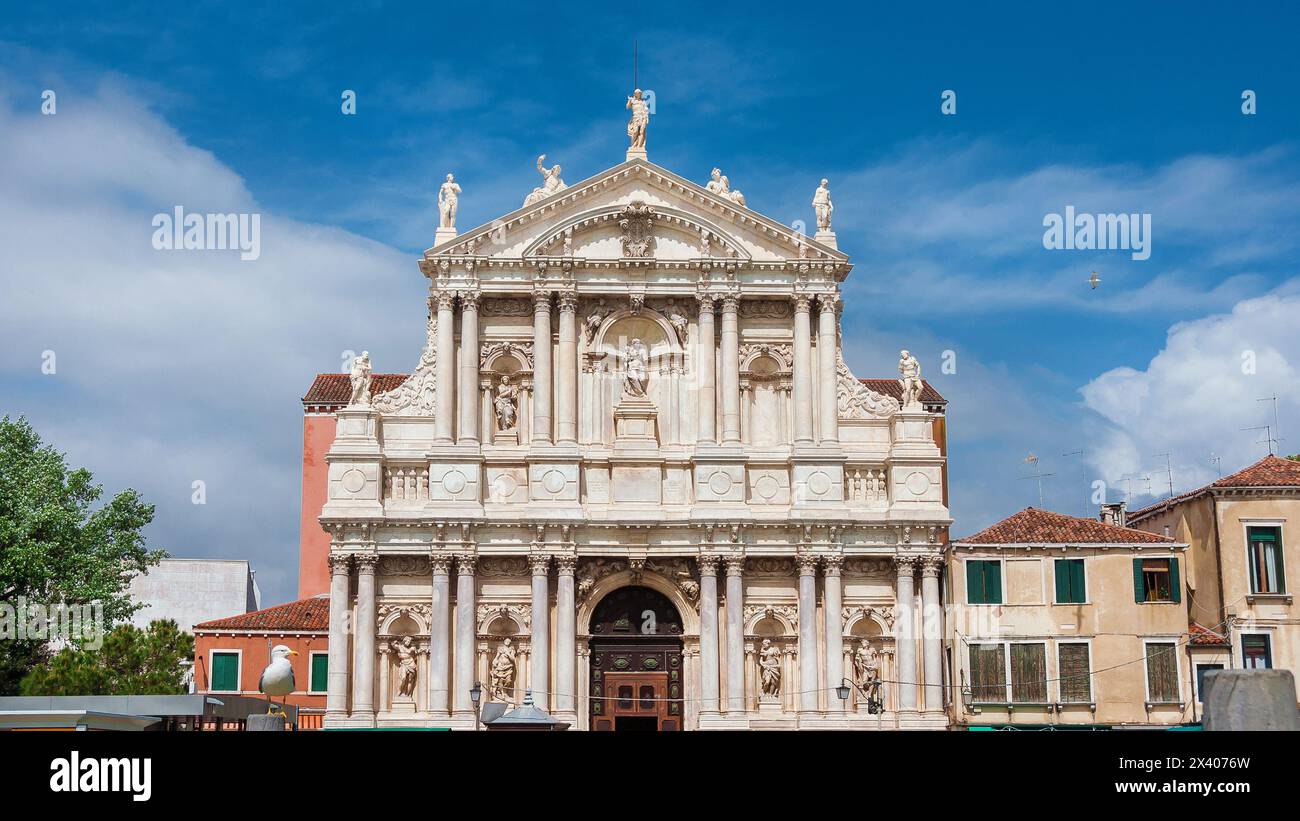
{"x": 603, "y": 233}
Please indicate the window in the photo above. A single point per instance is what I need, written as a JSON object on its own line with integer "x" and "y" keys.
{"x": 1256, "y": 652}
{"x": 1156, "y": 580}
{"x": 1162, "y": 672}
{"x": 1201, "y": 670}
{"x": 320, "y": 666}
{"x": 1075, "y": 672}
{"x": 225, "y": 672}
{"x": 1267, "y": 567}
{"x": 988, "y": 673}
{"x": 1070, "y": 588}
{"x": 983, "y": 581}
{"x": 1028, "y": 673}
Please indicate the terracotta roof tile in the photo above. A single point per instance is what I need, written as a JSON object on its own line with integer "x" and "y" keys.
{"x": 1202, "y": 636}
{"x": 301, "y": 615}
{"x": 1271, "y": 471}
{"x": 335, "y": 389}
{"x": 1034, "y": 526}
{"x": 890, "y": 387}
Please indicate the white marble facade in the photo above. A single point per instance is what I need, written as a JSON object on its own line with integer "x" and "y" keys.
{"x": 537, "y": 460}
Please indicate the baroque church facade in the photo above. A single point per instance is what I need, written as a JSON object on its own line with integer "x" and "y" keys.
{"x": 632, "y": 479}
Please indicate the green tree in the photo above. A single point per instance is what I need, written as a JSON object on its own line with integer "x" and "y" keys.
{"x": 131, "y": 661}
{"x": 56, "y": 546}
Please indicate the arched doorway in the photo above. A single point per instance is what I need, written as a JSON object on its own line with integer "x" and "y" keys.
{"x": 636, "y": 662}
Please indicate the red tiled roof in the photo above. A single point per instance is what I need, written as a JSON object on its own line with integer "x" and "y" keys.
{"x": 296, "y": 616}
{"x": 1202, "y": 636}
{"x": 335, "y": 389}
{"x": 1034, "y": 526}
{"x": 891, "y": 387}
{"x": 1271, "y": 471}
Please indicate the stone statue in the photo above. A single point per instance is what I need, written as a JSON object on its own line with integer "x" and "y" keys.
{"x": 361, "y": 380}
{"x": 720, "y": 185}
{"x": 823, "y": 206}
{"x": 448, "y": 202}
{"x": 769, "y": 669}
{"x": 866, "y": 670}
{"x": 636, "y": 362}
{"x": 506, "y": 404}
{"x": 677, "y": 319}
{"x": 592, "y": 324}
{"x": 640, "y": 121}
{"x": 405, "y": 668}
{"x": 503, "y": 673}
{"x": 551, "y": 183}
{"x": 911, "y": 380}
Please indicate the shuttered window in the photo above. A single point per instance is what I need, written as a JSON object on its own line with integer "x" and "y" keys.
{"x": 320, "y": 666}
{"x": 225, "y": 672}
{"x": 983, "y": 581}
{"x": 988, "y": 673}
{"x": 1076, "y": 681}
{"x": 1070, "y": 582}
{"x": 1028, "y": 673}
{"x": 1162, "y": 672}
{"x": 1267, "y": 565}
{"x": 1156, "y": 580}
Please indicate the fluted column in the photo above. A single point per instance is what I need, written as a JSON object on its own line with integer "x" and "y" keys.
{"x": 932, "y": 627}
{"x": 468, "y": 389}
{"x": 565, "y": 634}
{"x": 735, "y": 634}
{"x": 440, "y": 634}
{"x": 445, "y": 374}
{"x": 363, "y": 683}
{"x": 542, "y": 366}
{"x": 826, "y": 383}
{"x": 704, "y": 361}
{"x": 708, "y": 634}
{"x": 807, "y": 633}
{"x": 730, "y": 370}
{"x": 905, "y": 638}
{"x": 336, "y": 697}
{"x": 541, "y": 637}
{"x": 803, "y": 420}
{"x": 832, "y": 604}
{"x": 463, "y": 661}
{"x": 566, "y": 403}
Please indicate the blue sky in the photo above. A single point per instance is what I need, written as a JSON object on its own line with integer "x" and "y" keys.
{"x": 176, "y": 367}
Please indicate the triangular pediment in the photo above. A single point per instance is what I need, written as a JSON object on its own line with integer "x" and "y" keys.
{"x": 589, "y": 221}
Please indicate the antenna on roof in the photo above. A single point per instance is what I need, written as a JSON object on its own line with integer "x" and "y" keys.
{"x": 1169, "y": 471}
{"x": 1276, "y": 428}
{"x": 1218, "y": 464}
{"x": 1268, "y": 437}
{"x": 1038, "y": 475}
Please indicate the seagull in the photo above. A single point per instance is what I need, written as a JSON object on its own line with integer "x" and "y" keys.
{"x": 277, "y": 678}
{"x": 1094, "y": 280}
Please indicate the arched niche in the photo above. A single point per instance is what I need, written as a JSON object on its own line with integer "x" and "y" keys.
{"x": 690, "y": 619}
{"x": 403, "y": 620}
{"x": 770, "y": 622}
{"x": 868, "y": 623}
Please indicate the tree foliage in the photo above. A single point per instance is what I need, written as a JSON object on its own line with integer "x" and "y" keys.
{"x": 131, "y": 661}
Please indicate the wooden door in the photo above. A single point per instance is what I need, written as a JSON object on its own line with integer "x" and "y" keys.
{"x": 637, "y": 701}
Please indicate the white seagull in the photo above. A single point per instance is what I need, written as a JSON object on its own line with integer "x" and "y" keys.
{"x": 277, "y": 678}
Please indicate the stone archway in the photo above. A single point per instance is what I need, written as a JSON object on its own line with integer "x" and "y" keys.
{"x": 637, "y": 677}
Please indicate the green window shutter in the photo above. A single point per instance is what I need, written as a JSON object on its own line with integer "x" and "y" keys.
{"x": 1062, "y": 581}
{"x": 1069, "y": 581}
{"x": 320, "y": 664}
{"x": 993, "y": 581}
{"x": 225, "y": 672}
{"x": 1175, "y": 587}
{"x": 974, "y": 583}
{"x": 1078, "y": 581}
{"x": 1139, "y": 589}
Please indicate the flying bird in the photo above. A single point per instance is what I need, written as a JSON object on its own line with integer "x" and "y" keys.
{"x": 1094, "y": 280}
{"x": 277, "y": 678}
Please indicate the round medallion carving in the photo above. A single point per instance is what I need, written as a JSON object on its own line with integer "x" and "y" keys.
{"x": 353, "y": 480}
{"x": 767, "y": 487}
{"x": 918, "y": 483}
{"x": 554, "y": 481}
{"x": 453, "y": 481}
{"x": 819, "y": 484}
{"x": 720, "y": 482}
{"x": 507, "y": 484}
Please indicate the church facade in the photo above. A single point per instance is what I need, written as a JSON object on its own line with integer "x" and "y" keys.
{"x": 632, "y": 477}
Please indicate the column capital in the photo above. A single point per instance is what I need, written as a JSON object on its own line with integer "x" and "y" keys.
{"x": 440, "y": 563}
{"x": 566, "y": 565}
{"x": 445, "y": 300}
{"x": 568, "y": 301}
{"x": 539, "y": 563}
{"x": 541, "y": 300}
{"x": 708, "y": 564}
{"x": 730, "y": 303}
{"x": 366, "y": 563}
{"x": 828, "y": 302}
{"x": 931, "y": 566}
{"x": 807, "y": 563}
{"x": 340, "y": 564}
{"x": 469, "y": 299}
{"x": 831, "y": 565}
{"x": 465, "y": 563}
{"x": 906, "y": 565}
{"x": 706, "y": 300}
{"x": 735, "y": 564}
{"x": 802, "y": 303}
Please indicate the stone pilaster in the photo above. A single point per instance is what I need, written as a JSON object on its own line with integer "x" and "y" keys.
{"x": 363, "y": 683}
{"x": 803, "y": 418}
{"x": 336, "y": 698}
{"x": 708, "y": 634}
{"x": 905, "y": 635}
{"x": 566, "y": 402}
{"x": 932, "y": 633}
{"x": 541, "y": 670}
{"x": 440, "y": 634}
{"x": 735, "y": 633}
{"x": 463, "y": 659}
{"x": 445, "y": 375}
{"x": 468, "y": 389}
{"x": 704, "y": 364}
{"x": 828, "y": 404}
{"x": 565, "y": 634}
{"x": 542, "y": 367}
{"x": 832, "y": 604}
{"x": 730, "y": 370}
{"x": 808, "y": 677}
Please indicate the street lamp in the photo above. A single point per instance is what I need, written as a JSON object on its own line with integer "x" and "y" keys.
{"x": 874, "y": 705}
{"x": 476, "y": 695}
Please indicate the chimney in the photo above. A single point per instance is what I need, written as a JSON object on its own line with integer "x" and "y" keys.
{"x": 1114, "y": 513}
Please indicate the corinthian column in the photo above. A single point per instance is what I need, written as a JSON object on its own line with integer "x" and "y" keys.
{"x": 730, "y": 370}
{"x": 542, "y": 366}
{"x": 440, "y": 634}
{"x": 931, "y": 625}
{"x": 463, "y": 661}
{"x": 735, "y": 634}
{"x": 807, "y": 633}
{"x": 445, "y": 373}
{"x": 803, "y": 420}
{"x": 363, "y": 684}
{"x": 468, "y": 389}
{"x": 704, "y": 362}
{"x": 541, "y": 634}
{"x": 708, "y": 634}
{"x": 826, "y": 382}
{"x": 832, "y": 604}
{"x": 566, "y": 404}
{"x": 905, "y": 638}
{"x": 565, "y": 634}
{"x": 336, "y": 697}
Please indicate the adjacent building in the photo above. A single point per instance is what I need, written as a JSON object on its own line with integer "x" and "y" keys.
{"x": 1058, "y": 621}
{"x": 189, "y": 591}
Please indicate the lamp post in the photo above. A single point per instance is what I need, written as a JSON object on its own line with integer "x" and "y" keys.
{"x": 475, "y": 695}
{"x": 874, "y": 705}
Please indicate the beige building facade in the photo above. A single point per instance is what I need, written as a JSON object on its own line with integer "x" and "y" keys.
{"x": 633, "y": 476}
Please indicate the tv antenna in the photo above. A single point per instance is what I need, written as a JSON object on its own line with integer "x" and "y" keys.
{"x": 1039, "y": 476}
{"x": 1268, "y": 437}
{"x": 1276, "y": 428}
{"x": 1169, "y": 471}
{"x": 1218, "y": 464}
